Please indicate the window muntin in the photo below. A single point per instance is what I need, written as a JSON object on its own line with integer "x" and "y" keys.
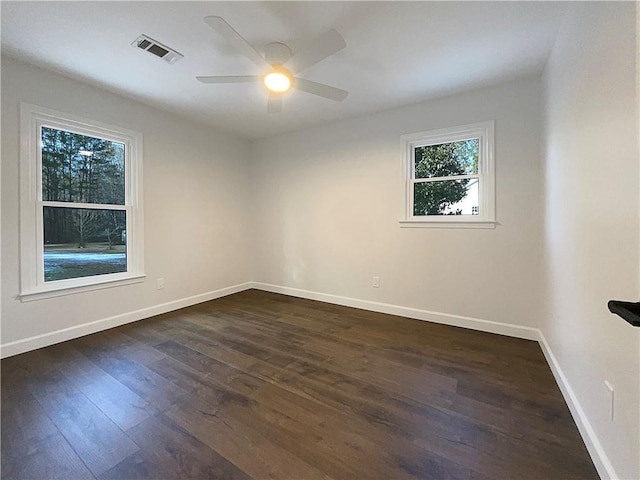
{"x": 81, "y": 203}
{"x": 450, "y": 177}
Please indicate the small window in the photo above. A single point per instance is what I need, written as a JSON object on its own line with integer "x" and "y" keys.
{"x": 80, "y": 204}
{"x": 450, "y": 178}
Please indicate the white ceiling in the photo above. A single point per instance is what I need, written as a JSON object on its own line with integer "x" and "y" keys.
{"x": 397, "y": 53}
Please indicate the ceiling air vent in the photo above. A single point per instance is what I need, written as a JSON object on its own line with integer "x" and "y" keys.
{"x": 159, "y": 50}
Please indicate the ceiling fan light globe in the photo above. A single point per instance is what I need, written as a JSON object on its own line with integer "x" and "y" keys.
{"x": 278, "y": 82}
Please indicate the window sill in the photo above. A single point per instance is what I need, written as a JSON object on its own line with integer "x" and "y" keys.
{"x": 447, "y": 224}
{"x": 58, "y": 291}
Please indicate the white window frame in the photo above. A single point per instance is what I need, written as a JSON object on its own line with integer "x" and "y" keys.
{"x": 32, "y": 284}
{"x": 484, "y": 132}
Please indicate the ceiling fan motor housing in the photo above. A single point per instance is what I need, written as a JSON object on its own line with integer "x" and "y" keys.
{"x": 277, "y": 53}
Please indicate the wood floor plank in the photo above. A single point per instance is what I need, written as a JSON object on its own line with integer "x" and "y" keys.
{"x": 197, "y": 373}
{"x": 278, "y": 367}
{"x": 394, "y": 455}
{"x": 312, "y": 348}
{"x": 169, "y": 452}
{"x": 235, "y": 407}
{"x": 145, "y": 332}
{"x": 126, "y": 347}
{"x": 338, "y": 452}
{"x": 276, "y": 405}
{"x": 92, "y": 435}
{"x": 26, "y": 423}
{"x": 252, "y": 452}
{"x": 153, "y": 389}
{"x": 260, "y": 385}
{"x": 124, "y": 407}
{"x": 24, "y": 431}
{"x": 48, "y": 458}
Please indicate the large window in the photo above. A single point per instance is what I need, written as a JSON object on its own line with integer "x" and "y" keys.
{"x": 81, "y": 211}
{"x": 449, "y": 177}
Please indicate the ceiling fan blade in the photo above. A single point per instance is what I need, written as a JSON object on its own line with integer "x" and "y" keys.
{"x": 274, "y": 104}
{"x": 328, "y": 44}
{"x": 234, "y": 38}
{"x": 320, "y": 89}
{"x": 230, "y": 79}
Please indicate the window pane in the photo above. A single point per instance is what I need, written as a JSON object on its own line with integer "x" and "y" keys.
{"x": 447, "y": 159}
{"x": 446, "y": 197}
{"x": 81, "y": 242}
{"x": 78, "y": 168}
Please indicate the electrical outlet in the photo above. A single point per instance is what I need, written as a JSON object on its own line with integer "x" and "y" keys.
{"x": 159, "y": 283}
{"x": 611, "y": 399}
{"x": 375, "y": 282}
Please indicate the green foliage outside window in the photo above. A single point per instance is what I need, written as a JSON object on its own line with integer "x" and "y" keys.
{"x": 453, "y": 159}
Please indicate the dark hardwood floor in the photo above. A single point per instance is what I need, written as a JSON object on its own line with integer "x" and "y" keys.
{"x": 258, "y": 385}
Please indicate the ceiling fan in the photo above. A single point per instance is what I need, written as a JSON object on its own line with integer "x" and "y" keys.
{"x": 279, "y": 66}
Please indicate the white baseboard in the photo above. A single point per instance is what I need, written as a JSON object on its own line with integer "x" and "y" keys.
{"x": 507, "y": 329}
{"x": 597, "y": 453}
{"x": 51, "y": 338}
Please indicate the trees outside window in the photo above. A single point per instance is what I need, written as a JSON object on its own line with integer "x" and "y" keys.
{"x": 446, "y": 197}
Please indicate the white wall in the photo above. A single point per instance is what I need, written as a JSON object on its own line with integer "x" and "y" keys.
{"x": 591, "y": 192}
{"x": 196, "y": 228}
{"x": 328, "y": 201}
